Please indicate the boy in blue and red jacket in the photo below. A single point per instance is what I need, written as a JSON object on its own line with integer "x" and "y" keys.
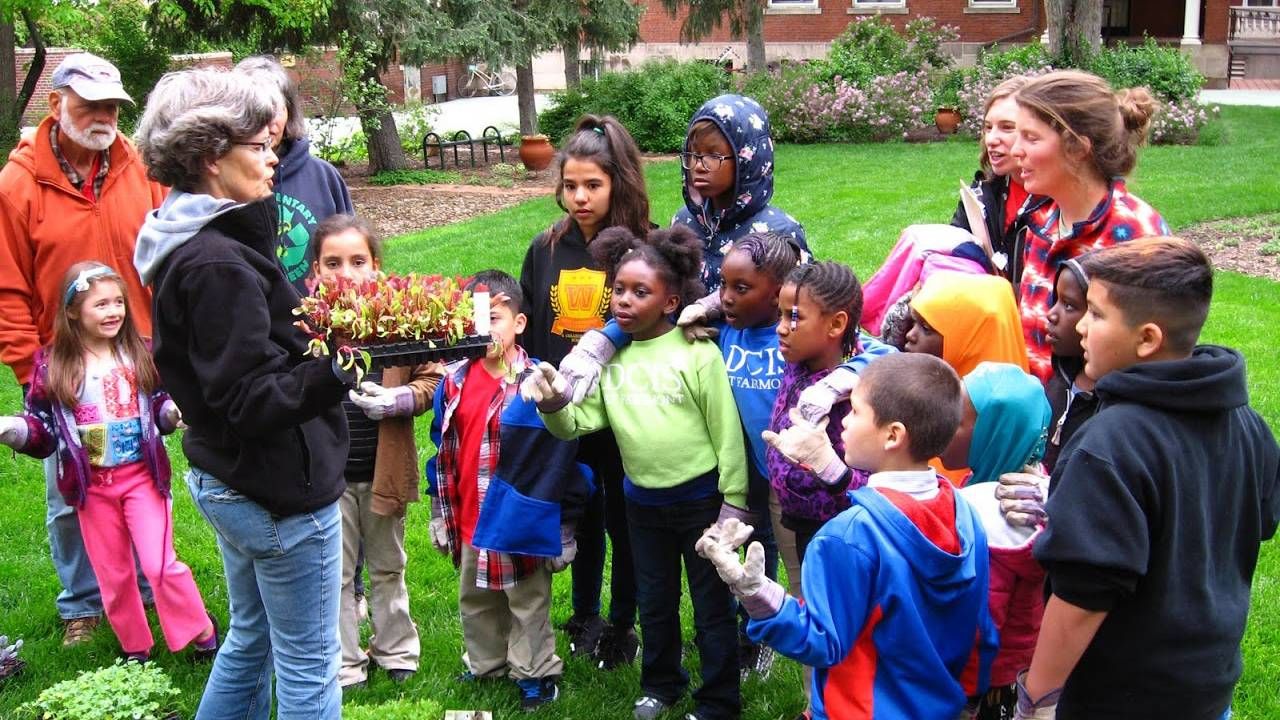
{"x": 505, "y": 497}
{"x": 895, "y": 618}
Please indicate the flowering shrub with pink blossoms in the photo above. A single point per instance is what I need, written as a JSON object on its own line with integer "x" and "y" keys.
{"x": 1180, "y": 123}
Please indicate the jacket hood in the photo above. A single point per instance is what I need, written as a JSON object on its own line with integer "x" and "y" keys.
{"x": 1212, "y": 379}
{"x": 745, "y": 124}
{"x": 977, "y": 317}
{"x": 947, "y": 576}
{"x": 1013, "y": 415}
{"x": 166, "y": 228}
{"x": 296, "y": 153}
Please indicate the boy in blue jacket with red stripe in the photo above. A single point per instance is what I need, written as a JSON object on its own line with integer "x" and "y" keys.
{"x": 895, "y": 618}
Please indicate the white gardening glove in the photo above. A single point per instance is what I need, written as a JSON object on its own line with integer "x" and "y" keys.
{"x": 546, "y": 388}
{"x": 171, "y": 415}
{"x": 808, "y": 446}
{"x": 693, "y": 323}
{"x": 816, "y": 400}
{"x": 13, "y": 431}
{"x": 439, "y": 532}
{"x": 377, "y": 402}
{"x": 568, "y": 550}
{"x": 1022, "y": 496}
{"x": 582, "y": 366}
{"x": 719, "y": 544}
{"x": 1044, "y": 708}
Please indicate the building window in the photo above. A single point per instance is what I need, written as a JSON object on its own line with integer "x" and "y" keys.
{"x": 861, "y": 7}
{"x": 793, "y": 7}
{"x": 994, "y": 4}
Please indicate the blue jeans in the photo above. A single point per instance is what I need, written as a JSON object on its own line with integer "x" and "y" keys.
{"x": 80, "y": 597}
{"x": 284, "y": 577}
{"x": 660, "y": 538}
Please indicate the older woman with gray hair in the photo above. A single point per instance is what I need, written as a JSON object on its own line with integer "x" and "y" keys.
{"x": 267, "y": 439}
{"x": 308, "y": 189}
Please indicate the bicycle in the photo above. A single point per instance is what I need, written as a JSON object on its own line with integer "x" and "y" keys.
{"x": 476, "y": 80}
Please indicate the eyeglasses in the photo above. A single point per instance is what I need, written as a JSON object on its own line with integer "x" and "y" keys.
{"x": 262, "y": 147}
{"x": 710, "y": 162}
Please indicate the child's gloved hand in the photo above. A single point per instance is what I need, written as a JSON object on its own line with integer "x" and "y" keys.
{"x": 719, "y": 544}
{"x": 377, "y": 402}
{"x": 1043, "y": 708}
{"x": 439, "y": 533}
{"x": 816, "y": 400}
{"x": 568, "y": 550}
{"x": 742, "y": 516}
{"x": 546, "y": 388}
{"x": 693, "y": 322}
{"x": 13, "y": 431}
{"x": 172, "y": 416}
{"x": 582, "y": 366}
{"x": 806, "y": 444}
{"x": 1022, "y": 496}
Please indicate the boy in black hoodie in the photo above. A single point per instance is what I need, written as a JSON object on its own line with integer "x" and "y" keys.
{"x": 1157, "y": 506}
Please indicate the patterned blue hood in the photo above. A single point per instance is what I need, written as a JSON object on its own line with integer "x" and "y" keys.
{"x": 746, "y": 126}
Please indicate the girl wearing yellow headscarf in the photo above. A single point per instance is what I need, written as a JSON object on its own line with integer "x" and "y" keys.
{"x": 967, "y": 319}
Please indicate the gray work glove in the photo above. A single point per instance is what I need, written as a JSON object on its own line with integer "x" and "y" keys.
{"x": 378, "y": 402}
{"x": 13, "y": 431}
{"x": 806, "y": 444}
{"x": 568, "y": 550}
{"x": 695, "y": 318}
{"x": 1043, "y": 708}
{"x": 437, "y": 529}
{"x": 546, "y": 388}
{"x": 816, "y": 400}
{"x": 1022, "y": 496}
{"x": 582, "y": 366}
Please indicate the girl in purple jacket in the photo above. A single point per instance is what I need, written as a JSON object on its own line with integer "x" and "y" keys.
{"x": 96, "y": 403}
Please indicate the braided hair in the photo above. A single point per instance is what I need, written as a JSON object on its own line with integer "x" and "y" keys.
{"x": 834, "y": 288}
{"x": 771, "y": 254}
{"x": 674, "y": 253}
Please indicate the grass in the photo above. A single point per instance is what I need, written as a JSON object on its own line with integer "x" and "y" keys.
{"x": 853, "y": 200}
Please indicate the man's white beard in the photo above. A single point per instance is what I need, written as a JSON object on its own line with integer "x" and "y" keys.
{"x": 96, "y": 137}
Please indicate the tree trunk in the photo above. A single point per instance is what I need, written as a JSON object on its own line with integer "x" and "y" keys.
{"x": 755, "y": 36}
{"x": 383, "y": 142}
{"x": 572, "y": 61}
{"x": 1074, "y": 28}
{"x": 10, "y": 117}
{"x": 524, "y": 99}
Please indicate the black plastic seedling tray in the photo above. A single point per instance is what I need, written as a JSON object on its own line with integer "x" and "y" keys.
{"x": 418, "y": 352}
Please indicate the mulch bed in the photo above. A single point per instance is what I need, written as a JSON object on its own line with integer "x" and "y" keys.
{"x": 1250, "y": 246}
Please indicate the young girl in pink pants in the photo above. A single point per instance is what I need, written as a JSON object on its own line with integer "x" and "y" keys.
{"x": 95, "y": 401}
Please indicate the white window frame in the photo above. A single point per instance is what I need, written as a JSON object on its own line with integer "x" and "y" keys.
{"x": 991, "y": 6}
{"x": 793, "y": 7}
{"x": 874, "y": 7}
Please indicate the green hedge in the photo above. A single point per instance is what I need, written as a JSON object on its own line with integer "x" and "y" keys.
{"x": 1165, "y": 70}
{"x": 653, "y": 101}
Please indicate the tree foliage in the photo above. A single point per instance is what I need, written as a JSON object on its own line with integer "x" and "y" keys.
{"x": 744, "y": 18}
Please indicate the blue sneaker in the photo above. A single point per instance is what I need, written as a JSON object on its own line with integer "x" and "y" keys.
{"x": 536, "y": 692}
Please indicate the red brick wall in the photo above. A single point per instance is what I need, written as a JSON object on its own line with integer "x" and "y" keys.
{"x": 1217, "y": 19}
{"x": 39, "y": 105}
{"x": 318, "y": 77}
{"x": 657, "y": 26}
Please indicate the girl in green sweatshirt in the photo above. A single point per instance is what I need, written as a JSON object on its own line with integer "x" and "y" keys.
{"x": 671, "y": 408}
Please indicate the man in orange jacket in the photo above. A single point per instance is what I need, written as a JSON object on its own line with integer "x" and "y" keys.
{"x": 74, "y": 190}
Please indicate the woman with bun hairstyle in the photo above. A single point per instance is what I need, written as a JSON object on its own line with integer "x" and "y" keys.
{"x": 1077, "y": 140}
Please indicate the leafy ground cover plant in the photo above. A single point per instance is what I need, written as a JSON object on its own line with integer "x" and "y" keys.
{"x": 123, "y": 690}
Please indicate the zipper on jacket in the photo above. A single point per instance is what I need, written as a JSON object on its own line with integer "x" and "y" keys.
{"x": 306, "y": 460}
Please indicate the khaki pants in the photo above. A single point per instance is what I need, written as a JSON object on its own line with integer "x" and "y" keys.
{"x": 507, "y": 629}
{"x": 791, "y": 561}
{"x": 394, "y": 644}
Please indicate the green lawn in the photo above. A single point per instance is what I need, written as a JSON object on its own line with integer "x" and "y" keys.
{"x": 853, "y": 201}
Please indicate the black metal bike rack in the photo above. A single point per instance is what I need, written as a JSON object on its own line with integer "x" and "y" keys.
{"x": 459, "y": 139}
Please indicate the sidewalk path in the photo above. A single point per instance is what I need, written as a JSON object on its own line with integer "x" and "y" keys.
{"x": 1261, "y": 98}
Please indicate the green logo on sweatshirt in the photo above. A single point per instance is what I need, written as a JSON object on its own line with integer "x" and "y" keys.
{"x": 296, "y": 224}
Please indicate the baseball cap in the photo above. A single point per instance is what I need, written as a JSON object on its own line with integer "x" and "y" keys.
{"x": 91, "y": 77}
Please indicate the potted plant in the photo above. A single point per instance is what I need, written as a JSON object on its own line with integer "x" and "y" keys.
{"x": 947, "y": 101}
{"x": 123, "y": 690}
{"x": 536, "y": 152}
{"x": 391, "y": 320}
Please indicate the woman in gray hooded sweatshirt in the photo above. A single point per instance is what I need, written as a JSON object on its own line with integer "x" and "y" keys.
{"x": 267, "y": 439}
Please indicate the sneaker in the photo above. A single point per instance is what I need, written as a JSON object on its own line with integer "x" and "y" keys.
{"x": 616, "y": 647}
{"x": 142, "y": 658}
{"x": 400, "y": 676}
{"x": 536, "y": 692}
{"x": 649, "y": 707}
{"x": 206, "y": 650}
{"x": 584, "y": 633}
{"x": 78, "y": 630}
{"x": 756, "y": 659}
